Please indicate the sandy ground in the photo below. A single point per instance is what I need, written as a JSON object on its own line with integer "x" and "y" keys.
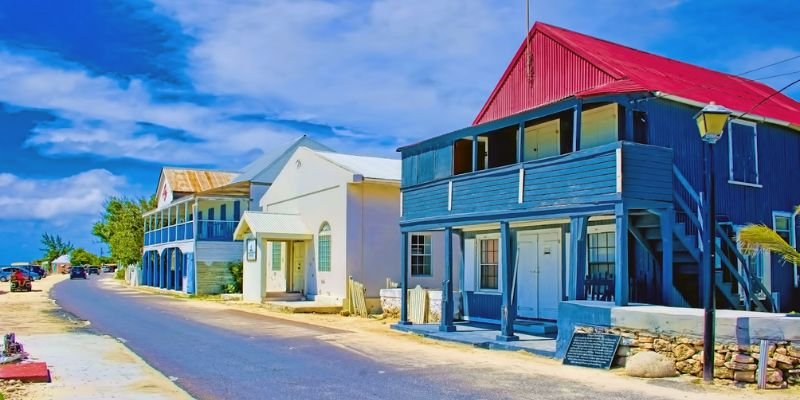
{"x": 82, "y": 365}
{"x": 372, "y": 338}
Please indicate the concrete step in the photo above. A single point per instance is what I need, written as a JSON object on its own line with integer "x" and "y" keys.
{"x": 300, "y": 307}
{"x": 283, "y": 296}
{"x": 535, "y": 327}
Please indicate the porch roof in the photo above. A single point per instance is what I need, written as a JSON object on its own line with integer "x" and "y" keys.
{"x": 272, "y": 226}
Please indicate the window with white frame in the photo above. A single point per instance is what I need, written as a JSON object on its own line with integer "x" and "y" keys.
{"x": 324, "y": 248}
{"x": 420, "y": 255}
{"x": 602, "y": 254}
{"x": 488, "y": 258}
{"x": 783, "y": 225}
{"x": 743, "y": 152}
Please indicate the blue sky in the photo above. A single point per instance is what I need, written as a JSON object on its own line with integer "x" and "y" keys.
{"x": 95, "y": 96}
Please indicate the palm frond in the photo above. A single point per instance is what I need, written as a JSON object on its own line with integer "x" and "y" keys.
{"x": 753, "y": 238}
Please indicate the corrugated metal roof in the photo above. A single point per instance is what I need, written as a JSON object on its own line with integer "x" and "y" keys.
{"x": 265, "y": 168}
{"x": 272, "y": 226}
{"x": 567, "y": 63}
{"x": 369, "y": 167}
{"x": 196, "y": 181}
{"x": 64, "y": 259}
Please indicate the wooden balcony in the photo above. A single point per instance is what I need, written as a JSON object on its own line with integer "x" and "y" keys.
{"x": 591, "y": 179}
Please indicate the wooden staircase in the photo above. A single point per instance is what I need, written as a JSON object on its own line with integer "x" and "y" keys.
{"x": 736, "y": 286}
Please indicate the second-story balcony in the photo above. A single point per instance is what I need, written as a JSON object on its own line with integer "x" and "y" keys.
{"x": 599, "y": 177}
{"x": 201, "y": 219}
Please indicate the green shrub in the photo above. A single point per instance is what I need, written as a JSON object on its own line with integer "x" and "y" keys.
{"x": 120, "y": 274}
{"x": 237, "y": 270}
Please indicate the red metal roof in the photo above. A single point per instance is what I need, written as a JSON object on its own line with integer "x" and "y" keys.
{"x": 564, "y": 63}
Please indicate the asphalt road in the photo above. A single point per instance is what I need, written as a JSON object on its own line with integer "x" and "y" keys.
{"x": 229, "y": 354}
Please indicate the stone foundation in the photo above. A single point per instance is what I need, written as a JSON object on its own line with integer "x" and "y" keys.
{"x": 733, "y": 362}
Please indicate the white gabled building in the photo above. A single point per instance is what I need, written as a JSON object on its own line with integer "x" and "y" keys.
{"x": 327, "y": 217}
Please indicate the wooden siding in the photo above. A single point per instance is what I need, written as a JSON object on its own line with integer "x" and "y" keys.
{"x": 211, "y": 262}
{"x": 212, "y": 277}
{"x": 584, "y": 177}
{"x": 481, "y": 305}
{"x": 647, "y": 172}
{"x": 672, "y": 125}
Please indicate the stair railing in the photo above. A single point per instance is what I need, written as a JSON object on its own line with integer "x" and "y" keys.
{"x": 694, "y": 225}
{"x": 752, "y": 279}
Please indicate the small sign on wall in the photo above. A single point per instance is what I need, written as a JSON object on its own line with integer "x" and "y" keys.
{"x": 250, "y": 245}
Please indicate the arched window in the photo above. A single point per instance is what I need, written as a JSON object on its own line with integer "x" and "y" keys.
{"x": 324, "y": 248}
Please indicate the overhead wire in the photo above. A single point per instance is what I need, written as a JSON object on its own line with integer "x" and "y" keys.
{"x": 769, "y": 65}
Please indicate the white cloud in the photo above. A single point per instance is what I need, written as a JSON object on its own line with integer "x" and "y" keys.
{"x": 104, "y": 117}
{"x": 60, "y": 201}
{"x": 402, "y": 68}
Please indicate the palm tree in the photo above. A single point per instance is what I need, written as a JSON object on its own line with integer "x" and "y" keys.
{"x": 53, "y": 246}
{"x": 760, "y": 237}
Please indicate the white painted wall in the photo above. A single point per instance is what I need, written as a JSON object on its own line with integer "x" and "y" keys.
{"x": 373, "y": 240}
{"x": 253, "y": 285}
{"x": 316, "y": 190}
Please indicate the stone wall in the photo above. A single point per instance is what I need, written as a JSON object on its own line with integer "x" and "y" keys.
{"x": 390, "y": 303}
{"x": 733, "y": 362}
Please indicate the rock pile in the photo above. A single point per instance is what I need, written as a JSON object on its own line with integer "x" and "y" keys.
{"x": 734, "y": 362}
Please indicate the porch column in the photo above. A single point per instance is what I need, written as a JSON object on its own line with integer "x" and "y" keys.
{"x": 404, "y": 280}
{"x": 577, "y": 256}
{"x": 163, "y": 269}
{"x": 448, "y": 305}
{"x": 667, "y": 217}
{"x": 621, "y": 257}
{"x": 508, "y": 312}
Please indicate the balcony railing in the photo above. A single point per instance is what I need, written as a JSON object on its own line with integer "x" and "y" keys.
{"x": 184, "y": 231}
{"x": 600, "y": 175}
{"x": 220, "y": 231}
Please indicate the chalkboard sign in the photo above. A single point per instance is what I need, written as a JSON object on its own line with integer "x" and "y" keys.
{"x": 593, "y": 350}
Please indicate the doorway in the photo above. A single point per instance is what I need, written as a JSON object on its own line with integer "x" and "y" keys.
{"x": 538, "y": 274}
{"x": 298, "y": 269}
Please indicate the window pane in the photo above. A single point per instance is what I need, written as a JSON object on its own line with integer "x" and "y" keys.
{"x": 324, "y": 250}
{"x": 276, "y": 256}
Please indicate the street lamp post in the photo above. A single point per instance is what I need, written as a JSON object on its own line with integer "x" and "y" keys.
{"x": 711, "y": 122}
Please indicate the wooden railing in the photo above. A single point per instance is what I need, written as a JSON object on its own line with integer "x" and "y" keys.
{"x": 689, "y": 206}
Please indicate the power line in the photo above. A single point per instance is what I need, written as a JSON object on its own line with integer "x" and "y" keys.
{"x": 765, "y": 99}
{"x": 769, "y": 65}
{"x": 776, "y": 76}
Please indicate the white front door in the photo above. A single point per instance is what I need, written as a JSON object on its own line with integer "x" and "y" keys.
{"x": 298, "y": 266}
{"x": 538, "y": 274}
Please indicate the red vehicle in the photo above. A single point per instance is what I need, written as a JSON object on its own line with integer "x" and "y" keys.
{"x": 20, "y": 282}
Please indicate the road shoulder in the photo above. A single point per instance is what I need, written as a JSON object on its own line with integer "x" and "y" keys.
{"x": 82, "y": 364}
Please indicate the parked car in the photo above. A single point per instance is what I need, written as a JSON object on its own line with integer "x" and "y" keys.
{"x": 78, "y": 273}
{"x": 93, "y": 270}
{"x": 105, "y": 269}
{"x": 28, "y": 273}
{"x": 5, "y": 276}
{"x": 32, "y": 274}
{"x": 39, "y": 270}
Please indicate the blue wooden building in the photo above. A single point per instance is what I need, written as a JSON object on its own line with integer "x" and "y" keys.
{"x": 581, "y": 179}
